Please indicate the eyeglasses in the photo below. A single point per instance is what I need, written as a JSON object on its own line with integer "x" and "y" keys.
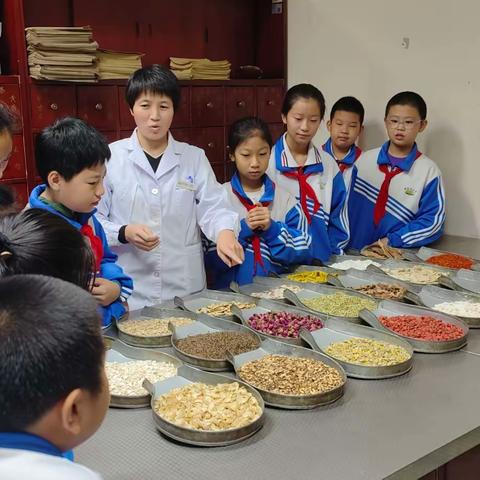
{"x": 406, "y": 123}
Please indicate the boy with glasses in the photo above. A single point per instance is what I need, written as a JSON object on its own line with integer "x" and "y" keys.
{"x": 397, "y": 194}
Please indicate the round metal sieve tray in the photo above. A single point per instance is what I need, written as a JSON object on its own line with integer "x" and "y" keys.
{"x": 291, "y": 402}
{"x": 148, "y": 313}
{"x": 340, "y": 330}
{"x": 463, "y": 280}
{"x": 206, "y": 324}
{"x": 186, "y": 376}
{"x": 353, "y": 279}
{"x": 343, "y": 258}
{"x": 266, "y": 306}
{"x": 393, "y": 264}
{"x": 194, "y": 302}
{"x": 119, "y": 352}
{"x": 425, "y": 253}
{"x": 388, "y": 308}
{"x": 331, "y": 272}
{"x": 320, "y": 290}
{"x": 430, "y": 296}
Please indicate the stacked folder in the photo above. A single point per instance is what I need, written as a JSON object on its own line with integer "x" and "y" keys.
{"x": 62, "y": 53}
{"x": 200, "y": 68}
{"x": 117, "y": 65}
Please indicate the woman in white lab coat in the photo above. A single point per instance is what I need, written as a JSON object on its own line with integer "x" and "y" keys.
{"x": 159, "y": 195}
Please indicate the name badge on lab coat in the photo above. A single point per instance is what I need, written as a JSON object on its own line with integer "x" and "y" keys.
{"x": 184, "y": 185}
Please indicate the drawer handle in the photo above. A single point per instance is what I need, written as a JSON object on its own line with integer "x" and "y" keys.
{"x": 241, "y": 104}
{"x": 54, "y": 107}
{"x": 99, "y": 107}
{"x": 210, "y": 145}
{"x": 270, "y": 103}
{"x": 210, "y": 105}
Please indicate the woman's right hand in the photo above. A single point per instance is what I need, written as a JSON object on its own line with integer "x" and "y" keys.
{"x": 141, "y": 236}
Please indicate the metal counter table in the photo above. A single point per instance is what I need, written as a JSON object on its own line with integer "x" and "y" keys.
{"x": 398, "y": 429}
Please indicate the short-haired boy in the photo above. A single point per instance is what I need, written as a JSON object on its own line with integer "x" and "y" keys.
{"x": 345, "y": 126}
{"x": 71, "y": 158}
{"x": 161, "y": 194}
{"x": 397, "y": 195}
{"x": 54, "y": 391}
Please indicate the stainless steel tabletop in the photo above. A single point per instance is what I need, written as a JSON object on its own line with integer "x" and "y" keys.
{"x": 398, "y": 428}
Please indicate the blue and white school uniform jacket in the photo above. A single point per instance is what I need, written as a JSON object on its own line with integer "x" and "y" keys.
{"x": 108, "y": 266}
{"x": 415, "y": 210}
{"x": 329, "y": 225}
{"x": 285, "y": 242}
{"x": 349, "y": 161}
{"x": 178, "y": 202}
{"x": 24, "y": 455}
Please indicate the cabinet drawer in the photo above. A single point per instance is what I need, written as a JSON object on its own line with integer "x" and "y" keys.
{"x": 239, "y": 103}
{"x": 219, "y": 170}
{"x": 21, "y": 194}
{"x": 277, "y": 130}
{"x": 126, "y": 119}
{"x": 208, "y": 106}
{"x": 10, "y": 96}
{"x": 98, "y": 106}
{"x": 50, "y": 102}
{"x": 212, "y": 141}
{"x": 182, "y": 115}
{"x": 182, "y": 134}
{"x": 269, "y": 103}
{"x": 16, "y": 164}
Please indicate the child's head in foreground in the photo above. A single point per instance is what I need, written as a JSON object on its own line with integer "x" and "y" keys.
{"x": 52, "y": 377}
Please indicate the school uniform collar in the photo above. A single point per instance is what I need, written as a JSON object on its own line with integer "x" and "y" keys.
{"x": 170, "y": 157}
{"x": 30, "y": 442}
{"x": 404, "y": 165}
{"x": 285, "y": 162}
{"x": 267, "y": 196}
{"x": 349, "y": 158}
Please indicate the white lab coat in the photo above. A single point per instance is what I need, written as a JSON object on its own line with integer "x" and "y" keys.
{"x": 177, "y": 201}
{"x": 19, "y": 464}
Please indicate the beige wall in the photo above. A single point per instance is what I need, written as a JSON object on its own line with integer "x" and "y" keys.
{"x": 355, "y": 48}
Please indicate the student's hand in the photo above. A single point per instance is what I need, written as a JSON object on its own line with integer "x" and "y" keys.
{"x": 105, "y": 291}
{"x": 142, "y": 237}
{"x": 383, "y": 241}
{"x": 228, "y": 248}
{"x": 259, "y": 217}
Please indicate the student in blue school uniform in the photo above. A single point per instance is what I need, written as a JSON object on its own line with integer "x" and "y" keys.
{"x": 310, "y": 174}
{"x": 54, "y": 391}
{"x": 397, "y": 195}
{"x": 71, "y": 158}
{"x": 161, "y": 194}
{"x": 273, "y": 228}
{"x": 345, "y": 126}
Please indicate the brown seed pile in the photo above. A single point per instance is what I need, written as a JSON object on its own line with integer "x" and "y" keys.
{"x": 383, "y": 290}
{"x": 290, "y": 375}
{"x": 215, "y": 345}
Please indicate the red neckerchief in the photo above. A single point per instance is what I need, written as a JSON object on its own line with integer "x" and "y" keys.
{"x": 306, "y": 191}
{"x": 381, "y": 203}
{"x": 95, "y": 244}
{"x": 257, "y": 253}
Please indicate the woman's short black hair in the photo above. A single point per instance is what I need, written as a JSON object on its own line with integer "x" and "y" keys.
{"x": 69, "y": 146}
{"x": 155, "y": 79}
{"x": 50, "y": 344}
{"x": 40, "y": 242}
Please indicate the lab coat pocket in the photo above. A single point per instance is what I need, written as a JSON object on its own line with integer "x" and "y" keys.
{"x": 194, "y": 268}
